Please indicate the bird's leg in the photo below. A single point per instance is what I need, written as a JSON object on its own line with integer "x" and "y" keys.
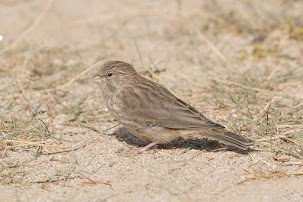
{"x": 148, "y": 146}
{"x": 144, "y": 149}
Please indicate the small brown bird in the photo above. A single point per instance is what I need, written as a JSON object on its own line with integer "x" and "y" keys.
{"x": 153, "y": 114}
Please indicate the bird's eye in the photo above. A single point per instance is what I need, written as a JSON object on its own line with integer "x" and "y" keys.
{"x": 109, "y": 74}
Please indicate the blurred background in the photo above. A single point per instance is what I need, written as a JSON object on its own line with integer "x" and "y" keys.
{"x": 50, "y": 46}
{"x": 164, "y": 30}
{"x": 238, "y": 62}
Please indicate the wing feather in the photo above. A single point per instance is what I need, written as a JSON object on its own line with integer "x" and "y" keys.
{"x": 156, "y": 106}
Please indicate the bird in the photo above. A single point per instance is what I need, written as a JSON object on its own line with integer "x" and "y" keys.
{"x": 153, "y": 114}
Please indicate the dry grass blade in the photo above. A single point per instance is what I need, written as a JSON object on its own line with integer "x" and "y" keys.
{"x": 212, "y": 46}
{"x": 292, "y": 109}
{"x": 153, "y": 73}
{"x": 61, "y": 87}
{"x": 243, "y": 86}
{"x": 20, "y": 143}
{"x": 81, "y": 74}
{"x": 23, "y": 75}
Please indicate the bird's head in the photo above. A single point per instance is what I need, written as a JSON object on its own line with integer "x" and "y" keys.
{"x": 114, "y": 74}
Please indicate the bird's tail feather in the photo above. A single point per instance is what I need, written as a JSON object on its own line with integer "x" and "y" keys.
{"x": 227, "y": 137}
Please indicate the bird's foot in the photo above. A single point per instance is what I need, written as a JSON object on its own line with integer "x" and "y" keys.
{"x": 144, "y": 149}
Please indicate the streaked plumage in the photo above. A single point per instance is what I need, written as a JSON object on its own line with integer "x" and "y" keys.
{"x": 152, "y": 113}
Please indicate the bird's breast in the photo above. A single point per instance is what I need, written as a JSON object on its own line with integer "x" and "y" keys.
{"x": 114, "y": 106}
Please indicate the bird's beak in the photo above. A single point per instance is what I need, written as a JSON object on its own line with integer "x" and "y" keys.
{"x": 96, "y": 78}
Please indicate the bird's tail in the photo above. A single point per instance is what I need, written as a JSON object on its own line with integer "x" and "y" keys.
{"x": 225, "y": 136}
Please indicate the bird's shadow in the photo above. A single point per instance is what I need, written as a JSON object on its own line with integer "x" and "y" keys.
{"x": 198, "y": 144}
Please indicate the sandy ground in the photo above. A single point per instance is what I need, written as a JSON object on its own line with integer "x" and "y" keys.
{"x": 95, "y": 165}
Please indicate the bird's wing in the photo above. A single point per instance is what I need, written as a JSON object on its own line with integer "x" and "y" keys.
{"x": 151, "y": 103}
